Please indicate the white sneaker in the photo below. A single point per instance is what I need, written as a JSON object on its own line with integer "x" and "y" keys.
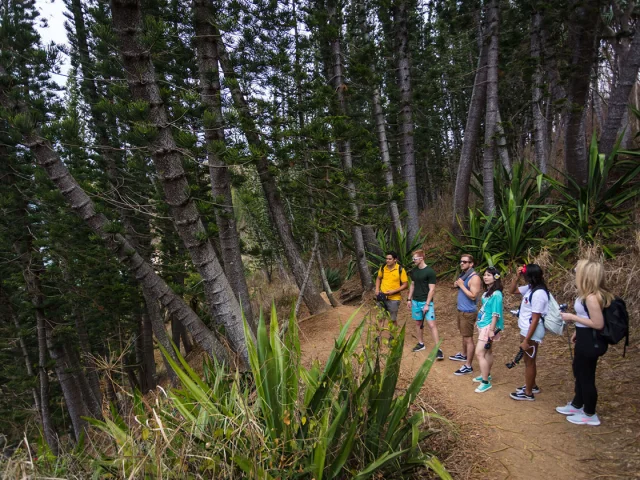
{"x": 584, "y": 419}
{"x": 569, "y": 409}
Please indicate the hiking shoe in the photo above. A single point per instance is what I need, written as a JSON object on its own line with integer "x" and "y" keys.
{"x": 463, "y": 370}
{"x": 521, "y": 395}
{"x": 584, "y": 419}
{"x": 458, "y": 357}
{"x": 535, "y": 389}
{"x": 479, "y": 379}
{"x": 569, "y": 409}
{"x": 440, "y": 355}
{"x": 418, "y": 348}
{"x": 483, "y": 387}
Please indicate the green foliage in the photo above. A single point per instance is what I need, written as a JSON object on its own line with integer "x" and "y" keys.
{"x": 399, "y": 243}
{"x": 333, "y": 277}
{"x": 594, "y": 212}
{"x": 333, "y": 422}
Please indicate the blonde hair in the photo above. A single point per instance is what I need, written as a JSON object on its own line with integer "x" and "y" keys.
{"x": 590, "y": 281}
{"x": 468, "y": 256}
{"x": 418, "y": 253}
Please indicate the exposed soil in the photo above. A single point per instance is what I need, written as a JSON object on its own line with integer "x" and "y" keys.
{"x": 496, "y": 437}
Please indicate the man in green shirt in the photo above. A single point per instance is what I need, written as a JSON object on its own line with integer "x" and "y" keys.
{"x": 420, "y": 300}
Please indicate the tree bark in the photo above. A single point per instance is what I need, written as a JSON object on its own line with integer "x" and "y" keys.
{"x": 470, "y": 140}
{"x": 406, "y": 118}
{"x": 75, "y": 367}
{"x": 85, "y": 348}
{"x": 584, "y": 27}
{"x": 491, "y": 117}
{"x": 539, "y": 124}
{"x": 140, "y": 73}
{"x": 501, "y": 144}
{"x": 619, "y": 99}
{"x": 323, "y": 275}
{"x": 275, "y": 206}
{"x": 344, "y": 148}
{"x": 156, "y": 322}
{"x": 207, "y": 54}
{"x": 150, "y": 281}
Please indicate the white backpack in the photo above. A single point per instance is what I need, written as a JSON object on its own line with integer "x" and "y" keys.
{"x": 552, "y": 321}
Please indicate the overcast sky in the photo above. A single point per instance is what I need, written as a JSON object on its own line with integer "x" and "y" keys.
{"x": 52, "y": 11}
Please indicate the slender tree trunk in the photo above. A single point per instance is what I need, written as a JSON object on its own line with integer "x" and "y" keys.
{"x": 80, "y": 202}
{"x": 383, "y": 144}
{"x": 307, "y": 275}
{"x": 275, "y": 206}
{"x": 619, "y": 99}
{"x": 584, "y": 33}
{"x": 344, "y": 147}
{"x": 140, "y": 73}
{"x": 470, "y": 140}
{"x": 406, "y": 118}
{"x": 147, "y": 360}
{"x": 539, "y": 125}
{"x": 85, "y": 348}
{"x": 75, "y": 367}
{"x": 491, "y": 118}
{"x": 214, "y": 134}
{"x": 323, "y": 275}
{"x": 156, "y": 322}
{"x": 44, "y": 412}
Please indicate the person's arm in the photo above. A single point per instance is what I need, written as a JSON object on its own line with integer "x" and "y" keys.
{"x": 474, "y": 288}
{"x": 378, "y": 282}
{"x": 535, "y": 319}
{"x": 495, "y": 316}
{"x": 595, "y": 312}
{"x": 514, "y": 285}
{"x": 432, "y": 289}
{"x": 410, "y": 295}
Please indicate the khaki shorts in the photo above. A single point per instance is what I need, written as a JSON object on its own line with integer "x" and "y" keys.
{"x": 467, "y": 323}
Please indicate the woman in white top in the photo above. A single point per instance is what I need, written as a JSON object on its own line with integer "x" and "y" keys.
{"x": 593, "y": 297}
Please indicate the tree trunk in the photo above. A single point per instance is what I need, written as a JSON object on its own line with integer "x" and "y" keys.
{"x": 43, "y": 409}
{"x": 140, "y": 73}
{"x": 323, "y": 275}
{"x": 584, "y": 27}
{"x": 470, "y": 140}
{"x": 214, "y": 135}
{"x": 80, "y": 202}
{"x": 383, "y": 144}
{"x": 491, "y": 118}
{"x": 539, "y": 125}
{"x": 85, "y": 348}
{"x": 344, "y": 148}
{"x": 619, "y": 98}
{"x": 275, "y": 207}
{"x": 147, "y": 360}
{"x": 406, "y": 118}
{"x": 75, "y": 367}
{"x": 156, "y": 322}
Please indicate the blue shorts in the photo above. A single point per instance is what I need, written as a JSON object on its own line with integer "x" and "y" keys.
{"x": 538, "y": 334}
{"x": 416, "y": 311}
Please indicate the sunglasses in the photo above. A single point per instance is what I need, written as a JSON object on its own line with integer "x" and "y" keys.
{"x": 465, "y": 261}
{"x": 415, "y": 259}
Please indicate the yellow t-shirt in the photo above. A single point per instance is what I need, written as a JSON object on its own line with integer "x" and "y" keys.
{"x": 390, "y": 280}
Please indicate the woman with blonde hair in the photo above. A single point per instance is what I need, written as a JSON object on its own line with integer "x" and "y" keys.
{"x": 593, "y": 297}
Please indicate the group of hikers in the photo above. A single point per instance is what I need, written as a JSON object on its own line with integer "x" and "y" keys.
{"x": 480, "y": 307}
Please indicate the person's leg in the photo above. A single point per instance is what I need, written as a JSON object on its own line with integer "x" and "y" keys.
{"x": 469, "y": 350}
{"x": 419, "y": 329}
{"x": 588, "y": 380}
{"x": 482, "y": 359}
{"x": 578, "y": 362}
{"x": 434, "y": 331}
{"x": 468, "y": 327}
{"x": 530, "y": 367}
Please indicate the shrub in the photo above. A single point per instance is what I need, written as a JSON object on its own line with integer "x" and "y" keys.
{"x": 282, "y": 421}
{"x": 333, "y": 277}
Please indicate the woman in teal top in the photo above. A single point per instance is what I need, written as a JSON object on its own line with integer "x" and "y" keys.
{"x": 490, "y": 319}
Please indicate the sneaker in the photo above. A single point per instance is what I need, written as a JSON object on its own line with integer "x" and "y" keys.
{"x": 440, "y": 355}
{"x": 483, "y": 387}
{"x": 463, "y": 370}
{"x": 521, "y": 395}
{"x": 569, "y": 409}
{"x": 535, "y": 389}
{"x": 584, "y": 419}
{"x": 479, "y": 379}
{"x": 458, "y": 357}
{"x": 418, "y": 348}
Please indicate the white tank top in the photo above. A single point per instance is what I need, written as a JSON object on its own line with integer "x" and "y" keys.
{"x": 581, "y": 312}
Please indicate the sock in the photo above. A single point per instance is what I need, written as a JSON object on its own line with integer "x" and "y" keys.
{"x": 486, "y": 382}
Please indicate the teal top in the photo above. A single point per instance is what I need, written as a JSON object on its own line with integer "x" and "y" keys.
{"x": 491, "y": 305}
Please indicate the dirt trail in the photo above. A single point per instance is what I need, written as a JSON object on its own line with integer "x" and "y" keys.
{"x": 514, "y": 439}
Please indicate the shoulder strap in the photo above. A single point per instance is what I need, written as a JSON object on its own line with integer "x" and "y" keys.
{"x": 400, "y": 274}
{"x": 534, "y": 290}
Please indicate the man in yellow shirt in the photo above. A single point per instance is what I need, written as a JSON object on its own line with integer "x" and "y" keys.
{"x": 392, "y": 279}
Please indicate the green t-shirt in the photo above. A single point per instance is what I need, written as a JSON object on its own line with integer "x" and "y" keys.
{"x": 421, "y": 279}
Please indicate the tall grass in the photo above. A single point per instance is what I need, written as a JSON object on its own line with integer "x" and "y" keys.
{"x": 282, "y": 420}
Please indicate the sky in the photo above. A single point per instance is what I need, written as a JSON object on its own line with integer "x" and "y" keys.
{"x": 52, "y": 11}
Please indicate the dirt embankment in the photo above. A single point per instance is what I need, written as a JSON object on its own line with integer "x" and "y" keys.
{"x": 497, "y": 437}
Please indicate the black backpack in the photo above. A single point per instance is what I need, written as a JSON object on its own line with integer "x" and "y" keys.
{"x": 616, "y": 323}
